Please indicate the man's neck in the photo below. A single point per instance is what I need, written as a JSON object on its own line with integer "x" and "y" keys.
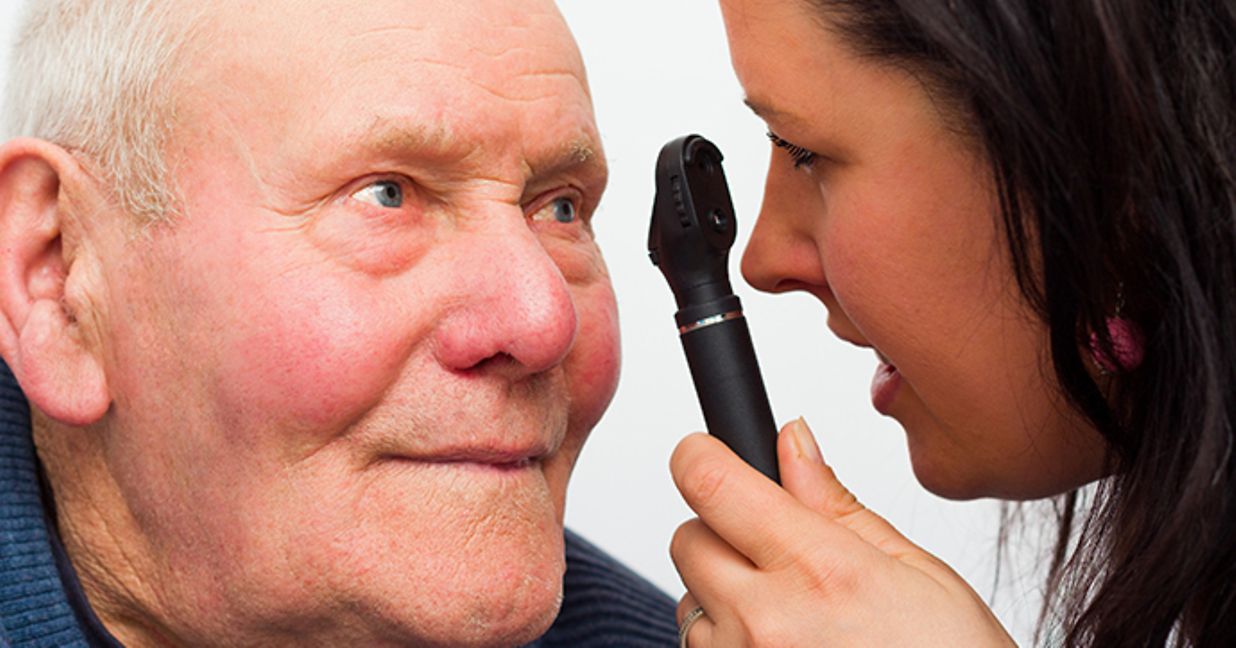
{"x": 97, "y": 553}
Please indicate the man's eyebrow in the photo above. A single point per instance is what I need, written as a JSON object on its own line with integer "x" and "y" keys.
{"x": 400, "y": 137}
{"x": 575, "y": 153}
{"x": 397, "y": 138}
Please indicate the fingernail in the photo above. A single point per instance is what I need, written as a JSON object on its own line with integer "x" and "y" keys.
{"x": 807, "y": 447}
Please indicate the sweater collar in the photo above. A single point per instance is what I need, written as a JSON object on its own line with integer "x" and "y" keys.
{"x": 34, "y": 606}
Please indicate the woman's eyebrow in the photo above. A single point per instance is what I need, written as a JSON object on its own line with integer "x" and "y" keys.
{"x": 770, "y": 114}
{"x": 755, "y": 106}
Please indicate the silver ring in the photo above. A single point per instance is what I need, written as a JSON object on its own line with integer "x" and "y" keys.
{"x": 710, "y": 321}
{"x": 688, "y": 621}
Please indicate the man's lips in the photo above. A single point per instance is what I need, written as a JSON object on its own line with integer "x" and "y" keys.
{"x": 500, "y": 457}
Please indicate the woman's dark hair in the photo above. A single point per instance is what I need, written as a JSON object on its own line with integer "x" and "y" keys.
{"x": 1110, "y": 127}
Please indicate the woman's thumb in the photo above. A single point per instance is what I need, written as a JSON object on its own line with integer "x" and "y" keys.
{"x": 812, "y": 482}
{"x": 805, "y": 475}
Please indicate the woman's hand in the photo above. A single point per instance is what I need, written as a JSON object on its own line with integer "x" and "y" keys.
{"x": 807, "y": 565}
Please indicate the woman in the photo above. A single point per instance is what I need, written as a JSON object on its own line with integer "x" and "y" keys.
{"x": 1027, "y": 209}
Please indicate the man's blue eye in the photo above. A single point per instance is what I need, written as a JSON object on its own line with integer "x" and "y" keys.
{"x": 385, "y": 193}
{"x": 564, "y": 210}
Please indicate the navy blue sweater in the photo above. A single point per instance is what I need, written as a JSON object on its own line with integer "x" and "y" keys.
{"x": 604, "y": 603}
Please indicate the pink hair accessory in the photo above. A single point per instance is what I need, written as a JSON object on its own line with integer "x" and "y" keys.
{"x": 1128, "y": 346}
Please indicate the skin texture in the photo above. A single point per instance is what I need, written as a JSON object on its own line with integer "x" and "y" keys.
{"x": 296, "y": 413}
{"x": 815, "y": 567}
{"x": 894, "y": 228}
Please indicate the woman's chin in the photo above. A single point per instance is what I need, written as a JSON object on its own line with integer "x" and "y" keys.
{"x": 945, "y": 475}
{"x": 949, "y": 484}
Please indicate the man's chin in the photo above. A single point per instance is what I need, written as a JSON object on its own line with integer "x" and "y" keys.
{"x": 488, "y": 589}
{"x": 412, "y": 553}
{"x": 497, "y": 594}
{"x": 482, "y": 560}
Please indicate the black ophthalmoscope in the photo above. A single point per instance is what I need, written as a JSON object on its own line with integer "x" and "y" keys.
{"x": 692, "y": 232}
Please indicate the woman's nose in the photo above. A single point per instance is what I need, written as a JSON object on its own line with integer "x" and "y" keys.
{"x": 783, "y": 253}
{"x": 511, "y": 303}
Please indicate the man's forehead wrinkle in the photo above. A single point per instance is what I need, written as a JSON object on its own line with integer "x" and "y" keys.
{"x": 387, "y": 30}
{"x": 527, "y": 26}
{"x": 550, "y": 74}
{"x": 382, "y": 58}
{"x": 504, "y": 82}
{"x": 505, "y": 95}
{"x": 227, "y": 134}
{"x": 516, "y": 64}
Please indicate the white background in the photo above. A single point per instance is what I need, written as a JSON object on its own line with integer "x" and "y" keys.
{"x": 659, "y": 70}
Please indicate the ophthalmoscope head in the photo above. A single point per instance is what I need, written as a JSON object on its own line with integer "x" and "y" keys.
{"x": 692, "y": 222}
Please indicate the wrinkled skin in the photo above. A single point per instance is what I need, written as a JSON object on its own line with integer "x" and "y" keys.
{"x": 338, "y": 399}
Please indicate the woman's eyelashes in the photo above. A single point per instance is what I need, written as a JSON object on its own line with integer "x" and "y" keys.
{"x": 801, "y": 157}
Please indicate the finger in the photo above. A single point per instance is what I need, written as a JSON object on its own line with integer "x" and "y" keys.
{"x": 685, "y": 605}
{"x": 746, "y": 509}
{"x": 700, "y": 634}
{"x": 766, "y": 523}
{"x": 806, "y": 476}
{"x": 716, "y": 575}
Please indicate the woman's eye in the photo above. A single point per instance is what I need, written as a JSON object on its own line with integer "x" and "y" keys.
{"x": 562, "y": 210}
{"x": 801, "y": 157}
{"x": 387, "y": 194}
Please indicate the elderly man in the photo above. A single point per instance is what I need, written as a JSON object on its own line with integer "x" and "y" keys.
{"x": 304, "y": 301}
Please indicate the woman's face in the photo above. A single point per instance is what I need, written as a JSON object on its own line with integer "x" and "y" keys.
{"x": 894, "y": 227}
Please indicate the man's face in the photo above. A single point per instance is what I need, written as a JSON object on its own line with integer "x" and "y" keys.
{"x": 351, "y": 381}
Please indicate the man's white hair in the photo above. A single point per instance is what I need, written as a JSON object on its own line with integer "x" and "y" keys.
{"x": 93, "y": 76}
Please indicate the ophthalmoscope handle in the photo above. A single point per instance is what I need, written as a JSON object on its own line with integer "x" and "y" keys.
{"x": 729, "y": 385}
{"x": 690, "y": 238}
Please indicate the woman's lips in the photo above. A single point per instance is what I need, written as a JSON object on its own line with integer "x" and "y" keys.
{"x": 884, "y": 386}
{"x": 887, "y": 379}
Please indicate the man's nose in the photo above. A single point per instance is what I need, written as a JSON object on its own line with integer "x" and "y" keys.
{"x": 784, "y": 253}
{"x": 512, "y": 310}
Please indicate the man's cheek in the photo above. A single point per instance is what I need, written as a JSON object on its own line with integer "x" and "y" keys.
{"x": 315, "y": 357}
{"x": 577, "y": 257}
{"x": 593, "y": 365}
{"x": 378, "y": 246}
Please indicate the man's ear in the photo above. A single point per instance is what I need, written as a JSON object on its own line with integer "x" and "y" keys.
{"x": 40, "y": 337}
